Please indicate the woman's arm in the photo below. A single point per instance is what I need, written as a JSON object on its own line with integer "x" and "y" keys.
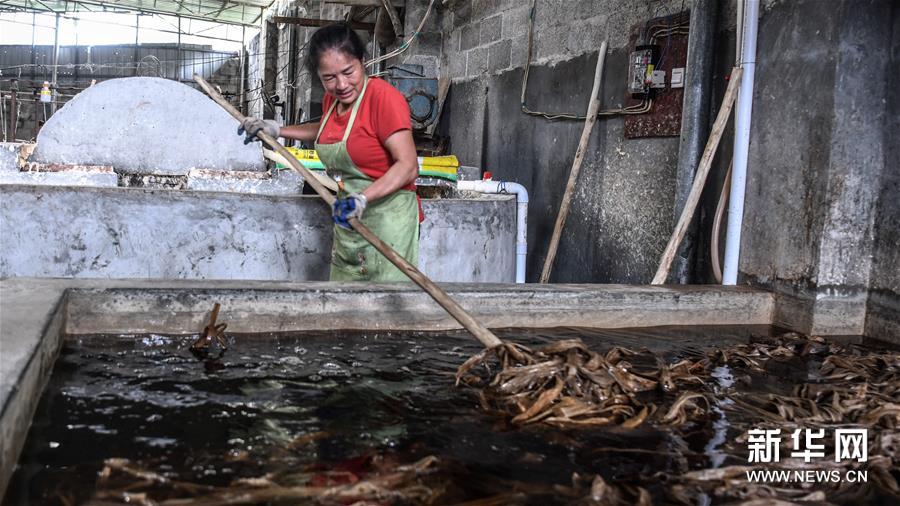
{"x": 306, "y": 132}
{"x": 404, "y": 171}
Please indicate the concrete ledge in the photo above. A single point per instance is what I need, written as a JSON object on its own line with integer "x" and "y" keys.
{"x": 883, "y": 317}
{"x": 62, "y": 167}
{"x": 840, "y": 311}
{"x": 315, "y": 306}
{"x": 282, "y": 182}
{"x": 35, "y": 314}
{"x": 834, "y": 311}
{"x": 31, "y": 331}
{"x": 102, "y": 176}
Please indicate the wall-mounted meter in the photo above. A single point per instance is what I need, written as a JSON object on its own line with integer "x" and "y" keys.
{"x": 642, "y": 63}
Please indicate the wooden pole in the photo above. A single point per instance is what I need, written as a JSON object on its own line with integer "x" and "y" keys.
{"x": 593, "y": 109}
{"x": 690, "y": 204}
{"x": 355, "y": 25}
{"x": 485, "y": 336}
{"x": 13, "y": 111}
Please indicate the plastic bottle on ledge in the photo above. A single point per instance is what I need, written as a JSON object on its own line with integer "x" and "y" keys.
{"x": 46, "y": 94}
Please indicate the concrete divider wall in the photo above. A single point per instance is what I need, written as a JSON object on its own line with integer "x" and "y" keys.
{"x": 261, "y": 307}
{"x": 166, "y": 234}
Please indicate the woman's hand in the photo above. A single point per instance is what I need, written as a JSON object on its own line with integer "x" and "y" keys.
{"x": 254, "y": 125}
{"x": 351, "y": 207}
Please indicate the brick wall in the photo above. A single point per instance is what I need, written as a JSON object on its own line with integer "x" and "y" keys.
{"x": 491, "y": 36}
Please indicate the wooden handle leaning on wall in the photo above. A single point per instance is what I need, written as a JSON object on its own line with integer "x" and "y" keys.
{"x": 690, "y": 205}
{"x": 485, "y": 336}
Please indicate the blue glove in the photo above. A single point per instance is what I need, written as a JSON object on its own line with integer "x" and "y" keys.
{"x": 346, "y": 208}
{"x": 253, "y": 126}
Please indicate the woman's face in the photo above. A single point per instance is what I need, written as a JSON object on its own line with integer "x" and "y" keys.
{"x": 342, "y": 75}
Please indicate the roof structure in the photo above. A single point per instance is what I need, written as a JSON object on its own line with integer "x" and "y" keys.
{"x": 235, "y": 12}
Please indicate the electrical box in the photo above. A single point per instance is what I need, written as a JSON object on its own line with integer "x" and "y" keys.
{"x": 640, "y": 70}
{"x": 656, "y": 75}
{"x": 678, "y": 77}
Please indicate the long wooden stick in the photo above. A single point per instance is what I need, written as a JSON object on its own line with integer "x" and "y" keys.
{"x": 485, "y": 336}
{"x": 690, "y": 204}
{"x": 593, "y": 109}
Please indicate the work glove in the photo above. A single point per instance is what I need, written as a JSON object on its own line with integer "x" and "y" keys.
{"x": 346, "y": 208}
{"x": 253, "y": 126}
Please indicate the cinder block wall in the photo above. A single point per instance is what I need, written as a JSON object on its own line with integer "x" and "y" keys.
{"x": 621, "y": 214}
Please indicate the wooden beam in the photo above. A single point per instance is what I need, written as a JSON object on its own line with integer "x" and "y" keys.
{"x": 395, "y": 19}
{"x": 366, "y": 3}
{"x": 356, "y": 25}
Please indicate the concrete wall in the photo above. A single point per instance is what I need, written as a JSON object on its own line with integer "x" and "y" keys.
{"x": 821, "y": 210}
{"x": 884, "y": 296}
{"x": 821, "y": 223}
{"x": 163, "y": 234}
{"x": 621, "y": 214}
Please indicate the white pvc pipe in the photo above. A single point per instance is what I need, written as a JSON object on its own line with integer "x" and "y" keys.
{"x": 521, "y": 214}
{"x": 741, "y": 143}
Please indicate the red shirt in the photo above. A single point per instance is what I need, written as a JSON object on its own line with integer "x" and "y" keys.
{"x": 382, "y": 113}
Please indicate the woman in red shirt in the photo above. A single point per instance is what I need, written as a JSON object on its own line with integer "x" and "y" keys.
{"x": 365, "y": 141}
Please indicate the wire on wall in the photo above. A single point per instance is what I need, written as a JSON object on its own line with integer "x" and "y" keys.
{"x": 403, "y": 47}
{"x": 653, "y": 33}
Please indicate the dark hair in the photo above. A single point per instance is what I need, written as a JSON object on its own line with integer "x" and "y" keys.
{"x": 337, "y": 36}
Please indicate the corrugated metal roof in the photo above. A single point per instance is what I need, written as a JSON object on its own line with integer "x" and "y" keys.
{"x": 236, "y": 12}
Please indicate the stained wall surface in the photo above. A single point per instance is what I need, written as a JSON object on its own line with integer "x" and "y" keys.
{"x": 821, "y": 218}
{"x": 54, "y": 231}
{"x": 622, "y": 207}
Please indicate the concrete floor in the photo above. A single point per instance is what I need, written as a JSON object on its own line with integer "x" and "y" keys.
{"x": 37, "y": 314}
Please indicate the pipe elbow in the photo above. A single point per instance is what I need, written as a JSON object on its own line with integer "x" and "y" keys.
{"x": 518, "y": 189}
{"x": 497, "y": 187}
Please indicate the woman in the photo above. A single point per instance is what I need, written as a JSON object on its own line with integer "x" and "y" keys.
{"x": 365, "y": 140}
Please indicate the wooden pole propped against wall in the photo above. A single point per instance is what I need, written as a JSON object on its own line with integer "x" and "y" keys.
{"x": 690, "y": 205}
{"x": 593, "y": 109}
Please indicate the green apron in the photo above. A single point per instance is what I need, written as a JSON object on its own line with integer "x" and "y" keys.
{"x": 394, "y": 218}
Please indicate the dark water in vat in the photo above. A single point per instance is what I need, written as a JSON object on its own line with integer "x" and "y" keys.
{"x": 146, "y": 398}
